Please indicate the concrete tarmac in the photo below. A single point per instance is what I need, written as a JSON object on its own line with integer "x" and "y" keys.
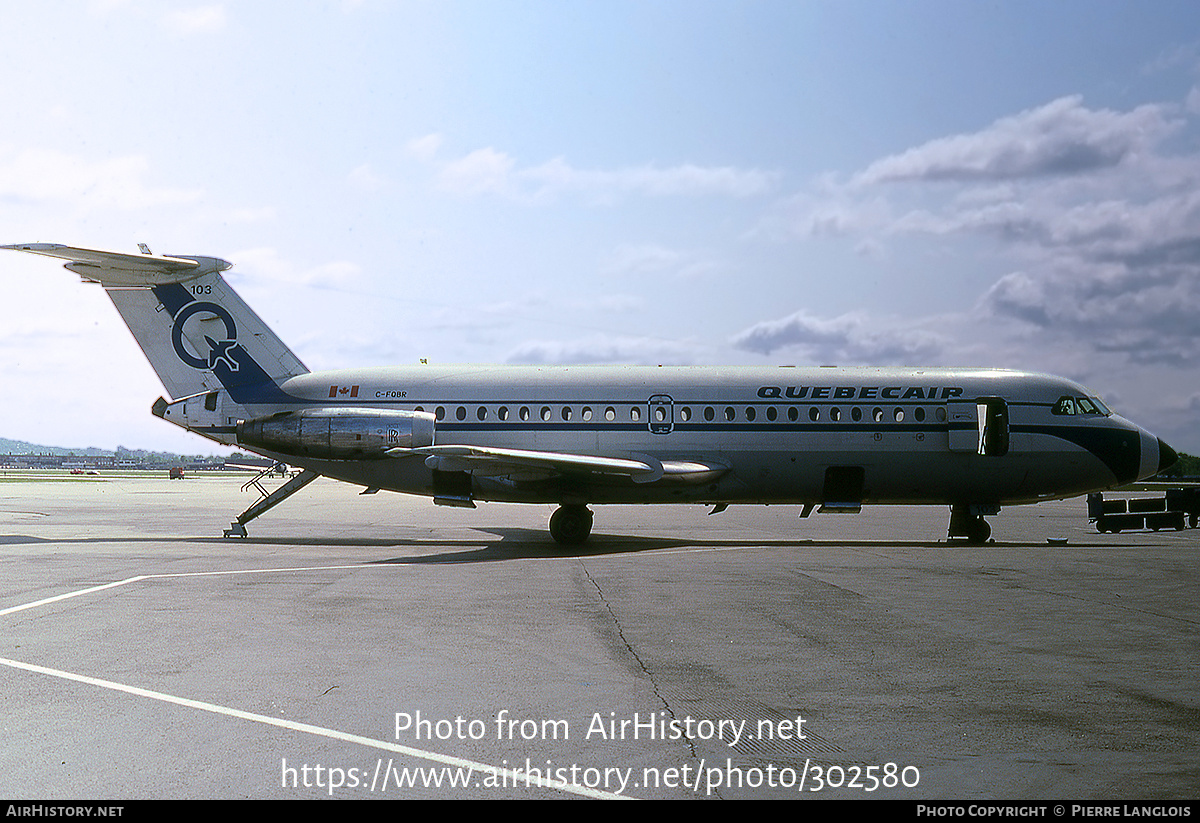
{"x": 381, "y": 647}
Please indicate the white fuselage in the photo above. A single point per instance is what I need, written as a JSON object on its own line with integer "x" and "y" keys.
{"x": 975, "y": 439}
{"x": 771, "y": 433}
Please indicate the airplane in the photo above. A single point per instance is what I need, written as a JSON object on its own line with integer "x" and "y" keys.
{"x": 577, "y": 436}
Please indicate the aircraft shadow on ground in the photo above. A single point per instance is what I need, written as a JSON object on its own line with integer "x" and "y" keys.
{"x": 499, "y": 544}
{"x": 517, "y": 544}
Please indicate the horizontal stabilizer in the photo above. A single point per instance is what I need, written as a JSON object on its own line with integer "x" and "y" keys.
{"x": 197, "y": 333}
{"x": 119, "y": 269}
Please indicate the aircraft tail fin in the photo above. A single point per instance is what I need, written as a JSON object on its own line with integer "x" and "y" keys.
{"x": 195, "y": 330}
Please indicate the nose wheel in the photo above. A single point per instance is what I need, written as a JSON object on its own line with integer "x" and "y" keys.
{"x": 968, "y": 522}
{"x": 571, "y": 524}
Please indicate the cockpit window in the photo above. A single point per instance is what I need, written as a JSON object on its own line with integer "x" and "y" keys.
{"x": 1080, "y": 405}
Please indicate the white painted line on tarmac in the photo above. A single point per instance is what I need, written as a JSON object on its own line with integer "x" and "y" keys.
{"x": 507, "y": 777}
{"x": 138, "y": 578}
{"x": 511, "y": 777}
{"x": 49, "y": 600}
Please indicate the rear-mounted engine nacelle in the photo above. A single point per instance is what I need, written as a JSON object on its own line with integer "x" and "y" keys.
{"x": 337, "y": 434}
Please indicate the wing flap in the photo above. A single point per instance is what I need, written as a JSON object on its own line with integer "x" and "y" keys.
{"x": 494, "y": 462}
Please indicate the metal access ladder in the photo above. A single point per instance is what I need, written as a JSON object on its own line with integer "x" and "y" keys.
{"x": 269, "y": 500}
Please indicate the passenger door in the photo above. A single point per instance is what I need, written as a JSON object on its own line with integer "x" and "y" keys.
{"x": 979, "y": 425}
{"x": 660, "y": 414}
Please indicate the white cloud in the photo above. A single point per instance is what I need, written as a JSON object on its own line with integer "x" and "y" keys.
{"x": 484, "y": 171}
{"x": 1148, "y": 317}
{"x": 1192, "y": 103}
{"x": 1104, "y": 220}
{"x": 1091, "y": 217}
{"x": 195, "y": 20}
{"x": 424, "y": 148}
{"x": 852, "y": 338}
{"x": 604, "y": 349}
{"x": 249, "y": 214}
{"x": 46, "y": 176}
{"x": 365, "y": 179}
{"x": 490, "y": 171}
{"x": 102, "y": 7}
{"x": 262, "y": 264}
{"x": 651, "y": 258}
{"x": 829, "y": 214}
{"x": 1060, "y": 138}
{"x": 617, "y": 304}
{"x": 685, "y": 180}
{"x": 643, "y": 259}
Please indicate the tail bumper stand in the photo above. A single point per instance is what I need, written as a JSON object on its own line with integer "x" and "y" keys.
{"x": 269, "y": 501}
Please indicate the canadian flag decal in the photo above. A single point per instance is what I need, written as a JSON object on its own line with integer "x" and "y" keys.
{"x": 343, "y": 391}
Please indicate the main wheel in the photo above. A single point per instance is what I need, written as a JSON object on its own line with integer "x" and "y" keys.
{"x": 571, "y": 525}
{"x": 978, "y": 531}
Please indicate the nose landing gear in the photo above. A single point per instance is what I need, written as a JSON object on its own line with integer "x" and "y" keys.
{"x": 967, "y": 521}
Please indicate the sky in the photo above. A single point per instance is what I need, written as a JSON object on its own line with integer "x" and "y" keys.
{"x": 920, "y": 183}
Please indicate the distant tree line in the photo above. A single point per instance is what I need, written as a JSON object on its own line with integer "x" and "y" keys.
{"x": 164, "y": 458}
{"x": 1188, "y": 466}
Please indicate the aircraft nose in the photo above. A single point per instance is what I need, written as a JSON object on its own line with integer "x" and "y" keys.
{"x": 1166, "y": 456}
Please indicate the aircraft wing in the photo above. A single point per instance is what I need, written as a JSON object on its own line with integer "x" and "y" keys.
{"x": 489, "y": 461}
{"x": 119, "y": 269}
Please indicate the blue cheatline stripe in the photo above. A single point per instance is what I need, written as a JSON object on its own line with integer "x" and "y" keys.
{"x": 1119, "y": 449}
{"x": 173, "y": 296}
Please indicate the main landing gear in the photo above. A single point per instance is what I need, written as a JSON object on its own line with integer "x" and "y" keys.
{"x": 967, "y": 521}
{"x": 571, "y": 524}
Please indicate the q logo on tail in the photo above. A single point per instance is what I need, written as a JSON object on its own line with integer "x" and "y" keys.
{"x": 219, "y": 351}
